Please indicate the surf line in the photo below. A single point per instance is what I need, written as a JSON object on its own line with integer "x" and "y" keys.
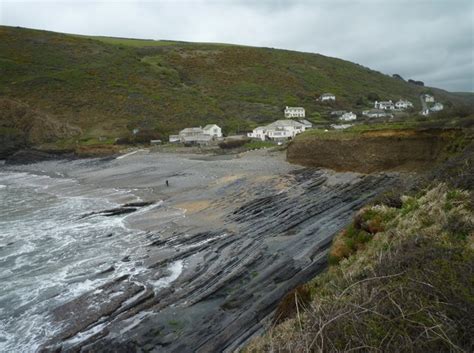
{"x": 129, "y": 154}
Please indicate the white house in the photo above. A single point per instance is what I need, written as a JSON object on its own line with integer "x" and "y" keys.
{"x": 403, "y": 104}
{"x": 191, "y": 131}
{"x": 291, "y": 127}
{"x": 428, "y": 98}
{"x": 348, "y": 116}
{"x": 212, "y": 130}
{"x": 280, "y": 129}
{"x": 201, "y": 139}
{"x": 258, "y": 133}
{"x": 325, "y": 97}
{"x": 279, "y": 133}
{"x": 385, "y": 105}
{"x": 294, "y": 112}
{"x": 437, "y": 107}
{"x": 199, "y": 135}
{"x": 376, "y": 113}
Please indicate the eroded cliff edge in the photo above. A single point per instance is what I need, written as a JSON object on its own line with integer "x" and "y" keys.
{"x": 375, "y": 151}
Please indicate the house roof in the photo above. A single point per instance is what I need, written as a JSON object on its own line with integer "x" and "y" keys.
{"x": 327, "y": 95}
{"x": 306, "y": 122}
{"x": 209, "y": 126}
{"x": 283, "y": 123}
{"x": 191, "y": 129}
{"x": 300, "y": 108}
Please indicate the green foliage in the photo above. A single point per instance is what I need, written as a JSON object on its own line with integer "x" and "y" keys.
{"x": 409, "y": 205}
{"x": 253, "y": 145}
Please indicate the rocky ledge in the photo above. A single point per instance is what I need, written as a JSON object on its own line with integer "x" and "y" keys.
{"x": 261, "y": 239}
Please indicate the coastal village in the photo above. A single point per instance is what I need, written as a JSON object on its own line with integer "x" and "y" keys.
{"x": 295, "y": 121}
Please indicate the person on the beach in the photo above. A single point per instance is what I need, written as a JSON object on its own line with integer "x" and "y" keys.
{"x": 167, "y": 184}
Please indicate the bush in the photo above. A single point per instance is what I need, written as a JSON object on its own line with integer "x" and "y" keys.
{"x": 123, "y": 141}
{"x": 252, "y": 145}
{"x": 144, "y": 136}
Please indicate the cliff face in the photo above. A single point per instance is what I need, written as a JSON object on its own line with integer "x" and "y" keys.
{"x": 21, "y": 127}
{"x": 372, "y": 151}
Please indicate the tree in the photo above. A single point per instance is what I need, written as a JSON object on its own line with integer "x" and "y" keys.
{"x": 373, "y": 97}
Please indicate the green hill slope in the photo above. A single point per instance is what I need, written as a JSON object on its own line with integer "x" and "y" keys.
{"x": 106, "y": 87}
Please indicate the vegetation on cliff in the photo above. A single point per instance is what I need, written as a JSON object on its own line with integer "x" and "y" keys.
{"x": 107, "y": 87}
{"x": 401, "y": 281}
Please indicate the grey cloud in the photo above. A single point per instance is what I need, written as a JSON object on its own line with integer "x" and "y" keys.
{"x": 430, "y": 41}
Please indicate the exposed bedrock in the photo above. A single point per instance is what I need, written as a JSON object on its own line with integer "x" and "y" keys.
{"x": 372, "y": 151}
{"x": 267, "y": 238}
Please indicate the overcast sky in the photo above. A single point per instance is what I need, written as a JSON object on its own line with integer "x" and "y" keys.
{"x": 427, "y": 40}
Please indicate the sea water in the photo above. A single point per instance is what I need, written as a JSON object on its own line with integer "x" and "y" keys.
{"x": 50, "y": 254}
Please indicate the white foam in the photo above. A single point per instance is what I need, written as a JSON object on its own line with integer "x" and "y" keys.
{"x": 129, "y": 154}
{"x": 55, "y": 255}
{"x": 175, "y": 269}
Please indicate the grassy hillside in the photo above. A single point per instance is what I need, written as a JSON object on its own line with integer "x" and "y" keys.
{"x": 109, "y": 86}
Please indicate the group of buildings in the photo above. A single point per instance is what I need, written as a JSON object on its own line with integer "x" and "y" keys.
{"x": 402, "y": 104}
{"x": 434, "y": 106}
{"x": 295, "y": 122}
{"x": 283, "y": 129}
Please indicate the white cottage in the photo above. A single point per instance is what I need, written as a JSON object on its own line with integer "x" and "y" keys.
{"x": 284, "y": 129}
{"x": 212, "y": 130}
{"x": 376, "y": 113}
{"x": 294, "y": 112}
{"x": 403, "y": 104}
{"x": 325, "y": 97}
{"x": 428, "y": 98}
{"x": 385, "y": 105}
{"x": 437, "y": 107}
{"x": 348, "y": 116}
{"x": 280, "y": 129}
{"x": 258, "y": 133}
{"x": 199, "y": 135}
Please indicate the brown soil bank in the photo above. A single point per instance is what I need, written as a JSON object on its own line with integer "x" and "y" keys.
{"x": 373, "y": 151}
